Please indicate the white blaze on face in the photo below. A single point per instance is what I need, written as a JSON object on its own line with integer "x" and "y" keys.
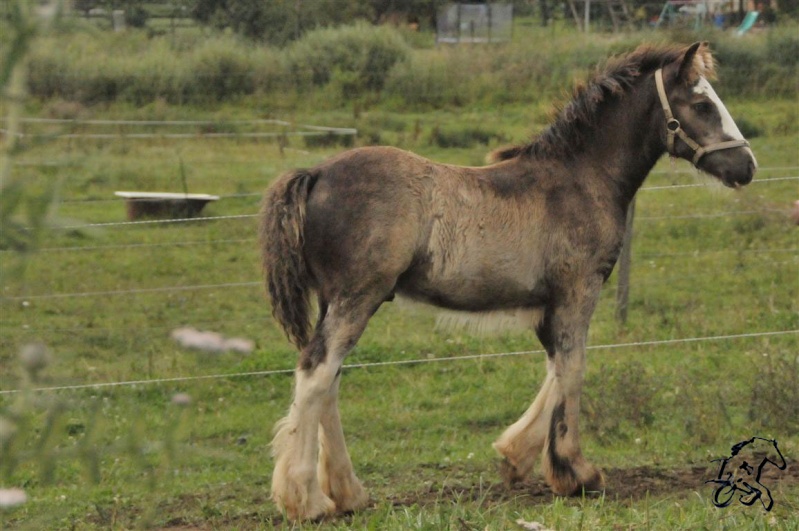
{"x": 727, "y": 123}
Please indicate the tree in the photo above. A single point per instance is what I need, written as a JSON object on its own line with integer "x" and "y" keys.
{"x": 280, "y": 21}
{"x": 274, "y": 21}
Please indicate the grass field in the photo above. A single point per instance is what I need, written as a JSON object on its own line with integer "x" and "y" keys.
{"x": 118, "y": 427}
{"x": 707, "y": 262}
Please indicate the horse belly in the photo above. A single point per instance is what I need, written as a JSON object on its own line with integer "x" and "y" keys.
{"x": 475, "y": 287}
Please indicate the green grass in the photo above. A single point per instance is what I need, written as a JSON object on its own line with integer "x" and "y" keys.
{"x": 420, "y": 435}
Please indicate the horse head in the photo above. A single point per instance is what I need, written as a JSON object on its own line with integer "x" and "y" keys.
{"x": 698, "y": 127}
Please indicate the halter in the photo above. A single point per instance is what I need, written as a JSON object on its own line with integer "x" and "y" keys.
{"x": 673, "y": 128}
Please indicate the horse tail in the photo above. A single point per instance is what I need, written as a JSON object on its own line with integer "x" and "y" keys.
{"x": 282, "y": 235}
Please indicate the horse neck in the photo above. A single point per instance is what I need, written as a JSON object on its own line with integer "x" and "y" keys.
{"x": 626, "y": 142}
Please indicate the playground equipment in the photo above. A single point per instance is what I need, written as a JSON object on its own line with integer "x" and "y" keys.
{"x": 694, "y": 13}
{"x": 618, "y": 10}
{"x": 747, "y": 23}
{"x": 676, "y": 12}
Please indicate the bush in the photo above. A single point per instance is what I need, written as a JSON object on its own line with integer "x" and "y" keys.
{"x": 756, "y": 68}
{"x": 360, "y": 52}
{"x": 782, "y": 47}
{"x": 427, "y": 80}
{"x": 221, "y": 72}
{"x": 342, "y": 65}
{"x": 142, "y": 70}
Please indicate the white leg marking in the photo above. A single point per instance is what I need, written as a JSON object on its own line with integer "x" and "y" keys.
{"x": 336, "y": 475}
{"x": 522, "y": 442}
{"x": 295, "y": 487}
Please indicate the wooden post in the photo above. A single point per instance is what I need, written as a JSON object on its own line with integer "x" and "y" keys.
{"x": 458, "y": 23}
{"x": 625, "y": 262}
{"x": 587, "y": 23}
{"x": 489, "y": 7}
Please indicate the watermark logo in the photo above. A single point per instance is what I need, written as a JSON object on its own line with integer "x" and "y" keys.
{"x": 742, "y": 472}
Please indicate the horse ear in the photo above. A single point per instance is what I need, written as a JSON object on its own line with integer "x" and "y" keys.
{"x": 688, "y": 72}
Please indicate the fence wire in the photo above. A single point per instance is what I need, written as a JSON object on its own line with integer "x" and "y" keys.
{"x": 394, "y": 363}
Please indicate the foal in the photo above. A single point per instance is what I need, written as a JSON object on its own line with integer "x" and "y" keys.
{"x": 538, "y": 231}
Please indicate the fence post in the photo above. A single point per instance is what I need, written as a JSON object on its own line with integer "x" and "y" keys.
{"x": 625, "y": 262}
{"x": 490, "y": 8}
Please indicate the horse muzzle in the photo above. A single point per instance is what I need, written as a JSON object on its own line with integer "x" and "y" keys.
{"x": 734, "y": 168}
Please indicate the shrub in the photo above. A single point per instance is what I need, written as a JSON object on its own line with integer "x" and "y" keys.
{"x": 141, "y": 70}
{"x": 342, "y": 65}
{"x": 221, "y": 70}
{"x": 755, "y": 68}
{"x": 362, "y": 52}
{"x": 782, "y": 47}
{"x": 427, "y": 80}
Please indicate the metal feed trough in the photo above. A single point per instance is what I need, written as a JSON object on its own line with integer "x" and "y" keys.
{"x": 164, "y": 204}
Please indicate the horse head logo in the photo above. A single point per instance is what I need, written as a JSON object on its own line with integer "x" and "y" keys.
{"x": 742, "y": 471}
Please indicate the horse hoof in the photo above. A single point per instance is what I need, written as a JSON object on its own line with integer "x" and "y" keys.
{"x": 315, "y": 508}
{"x": 350, "y": 499}
{"x": 594, "y": 485}
{"x": 588, "y": 482}
{"x": 509, "y": 473}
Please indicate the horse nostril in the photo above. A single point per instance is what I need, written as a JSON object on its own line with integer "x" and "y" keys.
{"x": 750, "y": 172}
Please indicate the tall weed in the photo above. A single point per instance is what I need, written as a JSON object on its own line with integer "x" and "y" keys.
{"x": 774, "y": 402}
{"x": 757, "y": 67}
{"x": 619, "y": 400}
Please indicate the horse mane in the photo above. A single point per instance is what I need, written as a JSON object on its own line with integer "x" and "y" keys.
{"x": 564, "y": 136}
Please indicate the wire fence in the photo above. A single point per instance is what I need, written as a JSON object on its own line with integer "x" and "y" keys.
{"x": 253, "y": 283}
{"x": 245, "y": 216}
{"x": 203, "y": 129}
{"x": 108, "y": 294}
{"x": 396, "y": 363}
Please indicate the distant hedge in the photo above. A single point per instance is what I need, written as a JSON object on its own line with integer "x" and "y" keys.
{"x": 350, "y": 61}
{"x": 363, "y": 52}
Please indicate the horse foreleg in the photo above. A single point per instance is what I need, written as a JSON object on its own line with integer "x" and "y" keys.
{"x": 550, "y": 425}
{"x": 336, "y": 475}
{"x": 565, "y": 469}
{"x": 522, "y": 442}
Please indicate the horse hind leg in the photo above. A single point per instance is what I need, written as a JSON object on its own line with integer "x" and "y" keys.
{"x": 306, "y": 483}
{"x": 295, "y": 487}
{"x": 336, "y": 475}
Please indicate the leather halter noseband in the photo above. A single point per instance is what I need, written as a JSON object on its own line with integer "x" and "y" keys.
{"x": 673, "y": 128}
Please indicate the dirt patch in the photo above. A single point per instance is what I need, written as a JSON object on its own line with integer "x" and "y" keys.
{"x": 620, "y": 484}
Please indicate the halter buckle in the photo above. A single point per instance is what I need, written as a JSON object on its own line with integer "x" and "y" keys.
{"x": 674, "y": 129}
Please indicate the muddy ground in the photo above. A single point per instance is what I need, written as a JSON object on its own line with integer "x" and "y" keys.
{"x": 622, "y": 485}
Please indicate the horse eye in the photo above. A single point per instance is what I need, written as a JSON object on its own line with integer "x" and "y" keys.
{"x": 703, "y": 107}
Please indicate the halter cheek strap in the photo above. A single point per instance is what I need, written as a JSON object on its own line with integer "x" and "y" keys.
{"x": 674, "y": 129}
